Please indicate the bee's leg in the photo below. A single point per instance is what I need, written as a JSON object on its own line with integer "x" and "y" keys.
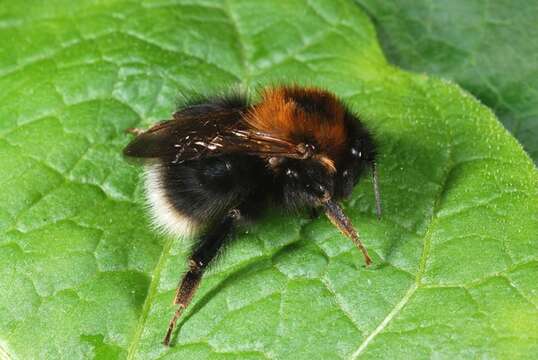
{"x": 205, "y": 251}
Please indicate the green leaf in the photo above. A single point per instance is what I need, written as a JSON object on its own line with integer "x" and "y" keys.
{"x": 82, "y": 275}
{"x": 488, "y": 47}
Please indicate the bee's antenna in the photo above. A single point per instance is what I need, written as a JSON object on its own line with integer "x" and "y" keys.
{"x": 377, "y": 193}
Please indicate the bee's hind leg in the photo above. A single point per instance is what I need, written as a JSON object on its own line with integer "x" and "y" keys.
{"x": 204, "y": 252}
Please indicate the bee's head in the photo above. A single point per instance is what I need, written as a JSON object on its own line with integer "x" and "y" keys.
{"x": 357, "y": 157}
{"x": 305, "y": 183}
{"x": 313, "y": 183}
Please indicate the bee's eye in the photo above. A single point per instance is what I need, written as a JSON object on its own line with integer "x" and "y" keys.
{"x": 356, "y": 153}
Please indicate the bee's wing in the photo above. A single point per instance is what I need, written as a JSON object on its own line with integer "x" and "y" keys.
{"x": 188, "y": 137}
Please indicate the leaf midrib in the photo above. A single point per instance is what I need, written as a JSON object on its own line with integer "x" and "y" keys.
{"x": 422, "y": 263}
{"x": 152, "y": 292}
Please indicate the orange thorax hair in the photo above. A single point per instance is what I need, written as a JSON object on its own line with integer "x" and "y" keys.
{"x": 302, "y": 115}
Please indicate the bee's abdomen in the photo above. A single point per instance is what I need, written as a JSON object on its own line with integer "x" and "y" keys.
{"x": 185, "y": 196}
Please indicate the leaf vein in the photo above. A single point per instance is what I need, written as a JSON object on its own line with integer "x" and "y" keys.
{"x": 395, "y": 311}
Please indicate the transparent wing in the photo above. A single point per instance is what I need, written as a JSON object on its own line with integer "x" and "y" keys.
{"x": 210, "y": 133}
